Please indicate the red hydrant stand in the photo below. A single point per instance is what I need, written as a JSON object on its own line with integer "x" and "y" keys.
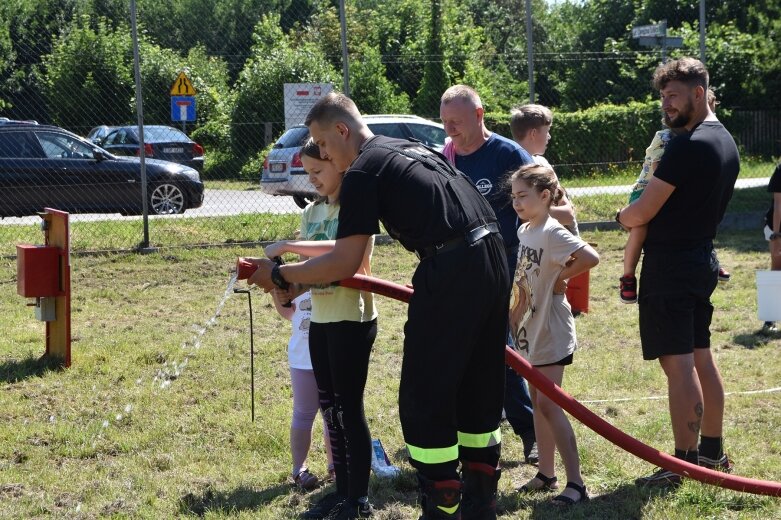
{"x": 58, "y": 332}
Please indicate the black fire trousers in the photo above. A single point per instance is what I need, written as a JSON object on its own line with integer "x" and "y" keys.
{"x": 452, "y": 376}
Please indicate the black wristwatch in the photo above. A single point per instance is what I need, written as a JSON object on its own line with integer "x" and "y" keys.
{"x": 277, "y": 279}
{"x": 774, "y": 236}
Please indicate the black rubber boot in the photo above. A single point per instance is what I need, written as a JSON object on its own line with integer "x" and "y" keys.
{"x": 480, "y": 483}
{"x": 440, "y": 499}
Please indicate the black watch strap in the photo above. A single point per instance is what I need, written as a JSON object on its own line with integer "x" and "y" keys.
{"x": 277, "y": 279}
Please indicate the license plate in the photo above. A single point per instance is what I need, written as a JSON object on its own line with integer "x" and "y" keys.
{"x": 173, "y": 150}
{"x": 276, "y": 167}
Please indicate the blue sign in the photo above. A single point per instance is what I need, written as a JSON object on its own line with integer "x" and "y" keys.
{"x": 182, "y": 108}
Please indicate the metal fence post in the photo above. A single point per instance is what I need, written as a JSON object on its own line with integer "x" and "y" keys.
{"x": 529, "y": 49}
{"x": 702, "y": 31}
{"x": 140, "y": 114}
{"x": 345, "y": 62}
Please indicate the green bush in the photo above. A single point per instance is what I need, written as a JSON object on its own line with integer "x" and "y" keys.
{"x": 253, "y": 167}
{"x": 596, "y": 136}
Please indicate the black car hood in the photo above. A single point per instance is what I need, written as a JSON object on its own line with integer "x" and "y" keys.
{"x": 157, "y": 164}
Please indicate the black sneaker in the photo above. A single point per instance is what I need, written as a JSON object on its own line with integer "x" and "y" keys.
{"x": 628, "y": 289}
{"x": 349, "y": 510}
{"x": 661, "y": 478}
{"x": 324, "y": 507}
{"x": 722, "y": 464}
{"x": 769, "y": 327}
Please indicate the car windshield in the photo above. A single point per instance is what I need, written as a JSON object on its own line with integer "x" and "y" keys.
{"x": 159, "y": 134}
{"x": 388, "y": 130}
{"x": 293, "y": 137}
{"x": 428, "y": 134}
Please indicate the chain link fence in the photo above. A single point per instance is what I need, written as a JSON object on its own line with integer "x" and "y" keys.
{"x": 223, "y": 88}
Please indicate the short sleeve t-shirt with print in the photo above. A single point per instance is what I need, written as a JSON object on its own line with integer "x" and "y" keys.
{"x": 774, "y": 186}
{"x": 320, "y": 221}
{"x": 488, "y": 168}
{"x": 541, "y": 323}
{"x": 703, "y": 165}
{"x": 298, "y": 346}
{"x": 417, "y": 205}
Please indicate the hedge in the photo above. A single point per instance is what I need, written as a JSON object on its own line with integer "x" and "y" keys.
{"x": 595, "y": 136}
{"x": 597, "y": 139}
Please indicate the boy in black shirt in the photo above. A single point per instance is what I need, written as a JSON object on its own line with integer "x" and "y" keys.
{"x": 452, "y": 375}
{"x": 682, "y": 206}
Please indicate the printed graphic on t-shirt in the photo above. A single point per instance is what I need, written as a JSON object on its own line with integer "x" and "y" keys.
{"x": 305, "y": 305}
{"x": 304, "y": 325}
{"x": 484, "y": 186}
{"x": 522, "y": 302}
{"x": 321, "y": 230}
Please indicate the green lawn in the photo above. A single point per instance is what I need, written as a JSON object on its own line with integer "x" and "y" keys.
{"x": 153, "y": 418}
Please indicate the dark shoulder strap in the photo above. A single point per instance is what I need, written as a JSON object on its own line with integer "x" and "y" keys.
{"x": 442, "y": 165}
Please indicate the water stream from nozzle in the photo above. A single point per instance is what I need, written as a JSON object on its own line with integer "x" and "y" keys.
{"x": 173, "y": 370}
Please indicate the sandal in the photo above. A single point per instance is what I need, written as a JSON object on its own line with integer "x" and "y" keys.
{"x": 305, "y": 481}
{"x": 563, "y": 500}
{"x": 548, "y": 484}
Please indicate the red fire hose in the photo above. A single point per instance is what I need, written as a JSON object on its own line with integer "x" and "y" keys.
{"x": 586, "y": 416}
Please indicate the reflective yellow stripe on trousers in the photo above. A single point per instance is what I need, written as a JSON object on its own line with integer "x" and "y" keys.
{"x": 433, "y": 455}
{"x": 450, "y": 453}
{"x": 480, "y": 440}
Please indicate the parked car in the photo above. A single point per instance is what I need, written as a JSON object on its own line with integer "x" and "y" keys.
{"x": 283, "y": 173}
{"x": 99, "y": 133}
{"x": 160, "y": 142}
{"x": 46, "y": 166}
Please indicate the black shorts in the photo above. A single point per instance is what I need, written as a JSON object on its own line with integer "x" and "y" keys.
{"x": 674, "y": 300}
{"x": 563, "y": 362}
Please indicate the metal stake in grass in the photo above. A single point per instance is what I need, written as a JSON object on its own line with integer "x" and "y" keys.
{"x": 251, "y": 350}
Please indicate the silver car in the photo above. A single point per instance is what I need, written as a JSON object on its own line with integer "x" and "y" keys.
{"x": 283, "y": 173}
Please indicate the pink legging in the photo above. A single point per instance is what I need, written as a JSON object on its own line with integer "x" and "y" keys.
{"x": 306, "y": 403}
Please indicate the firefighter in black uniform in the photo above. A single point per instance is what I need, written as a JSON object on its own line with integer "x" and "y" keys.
{"x": 452, "y": 376}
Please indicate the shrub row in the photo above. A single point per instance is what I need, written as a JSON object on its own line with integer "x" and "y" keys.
{"x": 597, "y": 135}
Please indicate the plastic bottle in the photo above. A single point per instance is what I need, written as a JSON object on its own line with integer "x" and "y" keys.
{"x": 381, "y": 464}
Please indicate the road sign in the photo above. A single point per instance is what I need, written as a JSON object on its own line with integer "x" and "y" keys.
{"x": 670, "y": 41}
{"x": 299, "y": 98}
{"x": 643, "y": 31}
{"x": 182, "y": 86}
{"x": 182, "y": 108}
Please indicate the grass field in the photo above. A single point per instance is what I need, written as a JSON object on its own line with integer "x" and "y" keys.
{"x": 153, "y": 418}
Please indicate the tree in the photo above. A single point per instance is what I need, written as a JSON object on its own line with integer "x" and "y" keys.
{"x": 87, "y": 79}
{"x": 274, "y": 61}
{"x": 371, "y": 90}
{"x": 435, "y": 80}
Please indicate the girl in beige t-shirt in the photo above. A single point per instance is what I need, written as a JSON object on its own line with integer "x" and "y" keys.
{"x": 541, "y": 321}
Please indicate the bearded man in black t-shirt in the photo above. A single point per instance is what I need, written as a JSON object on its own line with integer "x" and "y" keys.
{"x": 452, "y": 374}
{"x": 683, "y": 205}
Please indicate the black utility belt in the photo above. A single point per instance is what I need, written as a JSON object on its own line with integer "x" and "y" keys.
{"x": 467, "y": 239}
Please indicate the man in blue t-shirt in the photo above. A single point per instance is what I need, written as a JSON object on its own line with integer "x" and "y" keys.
{"x": 487, "y": 158}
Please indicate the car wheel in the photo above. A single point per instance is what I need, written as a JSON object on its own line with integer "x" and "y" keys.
{"x": 166, "y": 199}
{"x": 302, "y": 201}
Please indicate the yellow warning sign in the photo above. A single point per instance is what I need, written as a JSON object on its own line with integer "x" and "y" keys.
{"x": 182, "y": 86}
